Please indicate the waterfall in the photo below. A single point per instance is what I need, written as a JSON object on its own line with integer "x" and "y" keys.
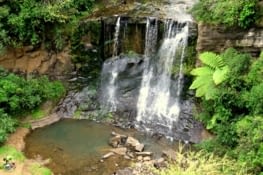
{"x": 151, "y": 36}
{"x": 156, "y": 104}
{"x": 111, "y": 68}
{"x": 150, "y": 47}
{"x": 116, "y": 38}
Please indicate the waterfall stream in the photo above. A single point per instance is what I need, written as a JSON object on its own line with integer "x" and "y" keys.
{"x": 150, "y": 48}
{"x": 109, "y": 101}
{"x": 116, "y": 38}
{"x": 156, "y": 105}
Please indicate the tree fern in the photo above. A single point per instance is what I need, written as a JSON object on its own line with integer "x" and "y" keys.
{"x": 220, "y": 75}
{"x": 213, "y": 72}
{"x": 212, "y": 60}
{"x": 202, "y": 71}
{"x": 201, "y": 81}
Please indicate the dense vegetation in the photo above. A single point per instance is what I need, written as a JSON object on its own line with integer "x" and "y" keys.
{"x": 242, "y": 13}
{"x": 202, "y": 163}
{"x": 18, "y": 96}
{"x": 230, "y": 87}
{"x": 32, "y": 22}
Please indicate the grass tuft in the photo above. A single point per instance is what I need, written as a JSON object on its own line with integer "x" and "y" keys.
{"x": 8, "y": 151}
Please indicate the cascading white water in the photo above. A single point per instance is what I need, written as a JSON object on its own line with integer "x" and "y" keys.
{"x": 116, "y": 38}
{"x": 109, "y": 100}
{"x": 151, "y": 36}
{"x": 155, "y": 104}
{"x": 150, "y": 47}
{"x": 149, "y": 86}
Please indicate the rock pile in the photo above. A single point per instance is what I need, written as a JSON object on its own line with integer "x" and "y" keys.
{"x": 127, "y": 146}
{"x": 132, "y": 149}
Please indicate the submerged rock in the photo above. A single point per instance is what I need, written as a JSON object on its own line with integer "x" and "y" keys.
{"x": 144, "y": 153}
{"x": 108, "y": 155}
{"x": 126, "y": 171}
{"x": 119, "y": 151}
{"x": 147, "y": 158}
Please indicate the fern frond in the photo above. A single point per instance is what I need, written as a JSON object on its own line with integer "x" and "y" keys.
{"x": 205, "y": 87}
{"x": 220, "y": 75}
{"x": 200, "y": 71}
{"x": 212, "y": 73}
{"x": 200, "y": 92}
{"x": 208, "y": 91}
{"x": 201, "y": 81}
{"x": 212, "y": 60}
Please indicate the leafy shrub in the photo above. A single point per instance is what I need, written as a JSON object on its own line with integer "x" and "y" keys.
{"x": 227, "y": 12}
{"x": 256, "y": 71}
{"x": 18, "y": 95}
{"x": 7, "y": 126}
{"x": 250, "y": 146}
{"x": 32, "y": 22}
{"x": 253, "y": 99}
{"x": 235, "y": 112}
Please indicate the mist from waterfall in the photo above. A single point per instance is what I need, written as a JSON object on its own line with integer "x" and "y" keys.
{"x": 156, "y": 104}
{"x": 109, "y": 101}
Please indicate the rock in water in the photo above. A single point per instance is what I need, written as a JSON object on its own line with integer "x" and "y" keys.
{"x": 108, "y": 155}
{"x": 134, "y": 144}
{"x": 120, "y": 151}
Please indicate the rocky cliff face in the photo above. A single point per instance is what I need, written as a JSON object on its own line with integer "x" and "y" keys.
{"x": 219, "y": 38}
{"x": 40, "y": 61}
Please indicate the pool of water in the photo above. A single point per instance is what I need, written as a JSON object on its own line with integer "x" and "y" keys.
{"x": 75, "y": 147}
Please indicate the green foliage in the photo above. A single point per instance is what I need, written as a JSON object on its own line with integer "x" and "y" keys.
{"x": 235, "y": 113}
{"x": 7, "y": 126}
{"x": 211, "y": 74}
{"x": 37, "y": 169}
{"x": 33, "y": 22}
{"x": 256, "y": 71}
{"x": 8, "y": 151}
{"x": 253, "y": 99}
{"x": 228, "y": 12}
{"x": 15, "y": 155}
{"x": 18, "y": 95}
{"x": 38, "y": 113}
{"x": 250, "y": 147}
